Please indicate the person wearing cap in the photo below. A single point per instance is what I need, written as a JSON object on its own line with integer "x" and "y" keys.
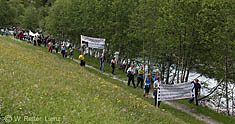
{"x": 196, "y": 88}
{"x": 131, "y": 75}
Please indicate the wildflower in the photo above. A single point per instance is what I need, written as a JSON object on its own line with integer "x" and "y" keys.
{"x": 115, "y": 87}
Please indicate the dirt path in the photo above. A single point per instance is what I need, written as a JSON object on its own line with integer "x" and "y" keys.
{"x": 191, "y": 111}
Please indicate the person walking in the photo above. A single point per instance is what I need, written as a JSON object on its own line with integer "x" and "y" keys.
{"x": 63, "y": 51}
{"x": 102, "y": 62}
{"x": 82, "y": 59}
{"x": 71, "y": 52}
{"x": 34, "y": 41}
{"x": 140, "y": 78}
{"x": 39, "y": 40}
{"x": 21, "y": 35}
{"x": 196, "y": 88}
{"x": 156, "y": 84}
{"x": 45, "y": 41}
{"x": 131, "y": 75}
{"x": 2, "y": 31}
{"x": 50, "y": 47}
{"x": 147, "y": 81}
{"x": 113, "y": 62}
{"x": 156, "y": 77}
{"x": 66, "y": 52}
{"x": 56, "y": 47}
{"x": 6, "y": 32}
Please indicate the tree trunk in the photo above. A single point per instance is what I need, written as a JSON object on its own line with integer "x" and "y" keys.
{"x": 178, "y": 64}
{"x": 163, "y": 71}
{"x": 176, "y": 69}
{"x": 168, "y": 71}
{"x": 226, "y": 81}
{"x": 233, "y": 101}
{"x": 149, "y": 64}
{"x": 211, "y": 92}
{"x": 185, "y": 68}
{"x": 218, "y": 107}
{"x": 182, "y": 65}
{"x": 189, "y": 66}
{"x": 187, "y": 75}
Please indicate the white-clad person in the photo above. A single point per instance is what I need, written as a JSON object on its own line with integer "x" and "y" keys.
{"x": 131, "y": 75}
{"x": 156, "y": 87}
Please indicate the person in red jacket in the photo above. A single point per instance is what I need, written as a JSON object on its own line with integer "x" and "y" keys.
{"x": 21, "y": 35}
{"x": 50, "y": 47}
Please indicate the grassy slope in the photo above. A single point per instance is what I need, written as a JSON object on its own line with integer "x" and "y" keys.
{"x": 35, "y": 83}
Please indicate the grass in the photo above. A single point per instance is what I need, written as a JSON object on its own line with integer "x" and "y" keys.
{"x": 39, "y": 87}
{"x": 206, "y": 111}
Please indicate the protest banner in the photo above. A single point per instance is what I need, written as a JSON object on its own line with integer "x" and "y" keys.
{"x": 91, "y": 42}
{"x": 174, "y": 92}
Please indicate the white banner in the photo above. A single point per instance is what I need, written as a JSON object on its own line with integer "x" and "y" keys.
{"x": 92, "y": 42}
{"x": 176, "y": 91}
{"x": 32, "y": 34}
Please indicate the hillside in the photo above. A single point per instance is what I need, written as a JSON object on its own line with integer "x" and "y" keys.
{"x": 44, "y": 88}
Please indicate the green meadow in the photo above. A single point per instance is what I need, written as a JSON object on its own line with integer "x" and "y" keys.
{"x": 39, "y": 87}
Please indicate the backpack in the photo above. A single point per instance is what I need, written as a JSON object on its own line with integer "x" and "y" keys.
{"x": 128, "y": 74}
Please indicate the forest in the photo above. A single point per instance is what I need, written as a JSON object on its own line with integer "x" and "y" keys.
{"x": 175, "y": 37}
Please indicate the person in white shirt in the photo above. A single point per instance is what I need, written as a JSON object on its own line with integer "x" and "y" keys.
{"x": 156, "y": 87}
{"x": 2, "y": 31}
{"x": 131, "y": 75}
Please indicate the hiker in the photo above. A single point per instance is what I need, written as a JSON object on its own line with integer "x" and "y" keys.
{"x": 71, "y": 52}
{"x": 102, "y": 62}
{"x": 56, "y": 47}
{"x": 50, "y": 47}
{"x": 66, "y": 52}
{"x": 63, "y": 51}
{"x": 197, "y": 88}
{"x": 21, "y": 35}
{"x": 140, "y": 78}
{"x": 45, "y": 41}
{"x": 42, "y": 38}
{"x": 34, "y": 40}
{"x": 113, "y": 64}
{"x": 156, "y": 77}
{"x": 157, "y": 82}
{"x": 2, "y": 31}
{"x": 39, "y": 40}
{"x": 6, "y": 32}
{"x": 82, "y": 59}
{"x": 147, "y": 81}
{"x": 131, "y": 75}
{"x": 25, "y": 35}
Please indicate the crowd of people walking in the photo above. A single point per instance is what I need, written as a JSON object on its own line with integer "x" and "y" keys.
{"x": 144, "y": 81}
